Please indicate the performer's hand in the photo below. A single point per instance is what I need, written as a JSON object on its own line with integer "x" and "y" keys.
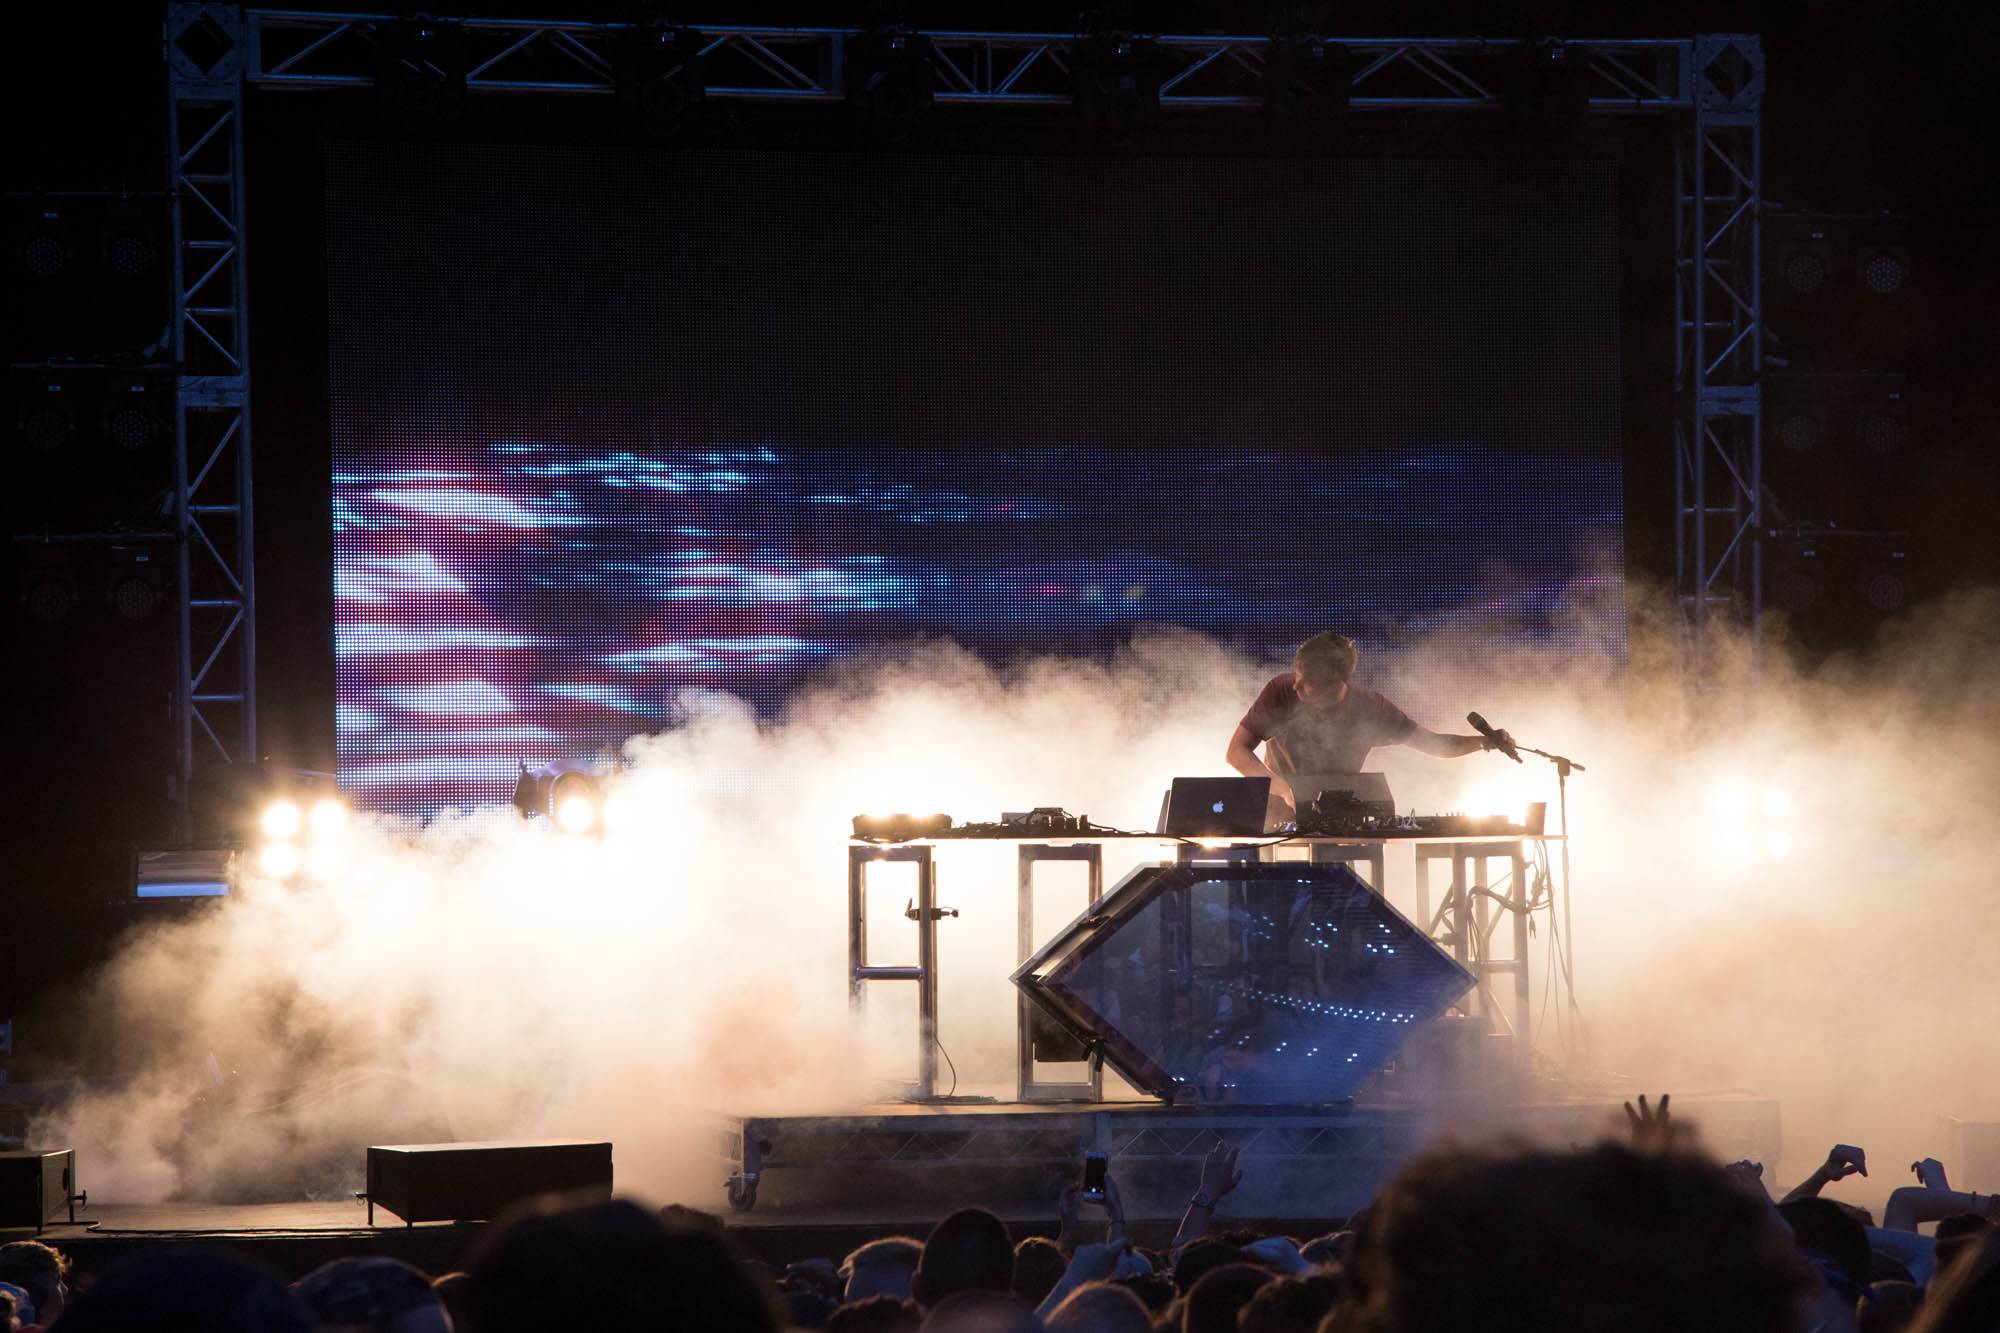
{"x": 1283, "y": 791}
{"x": 1501, "y": 740}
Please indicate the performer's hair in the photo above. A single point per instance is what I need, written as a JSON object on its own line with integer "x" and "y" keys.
{"x": 1326, "y": 658}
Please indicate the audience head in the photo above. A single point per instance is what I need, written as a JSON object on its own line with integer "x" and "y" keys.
{"x": 1100, "y": 1307}
{"x": 1214, "y": 1301}
{"x": 454, "y": 1292}
{"x": 1609, "y": 1237}
{"x": 1038, "y": 1265}
{"x": 881, "y": 1268}
{"x": 1829, "y": 1236}
{"x": 874, "y": 1314}
{"x": 1200, "y": 1258}
{"x": 981, "y": 1310}
{"x": 371, "y": 1294}
{"x": 1328, "y": 1249}
{"x": 1889, "y": 1308}
{"x": 551, "y": 1263}
{"x": 1955, "y": 1234}
{"x": 185, "y": 1291}
{"x": 1154, "y": 1290}
{"x": 40, "y": 1270}
{"x": 968, "y": 1251}
{"x": 1965, "y": 1297}
{"x": 1290, "y": 1304}
{"x": 13, "y": 1300}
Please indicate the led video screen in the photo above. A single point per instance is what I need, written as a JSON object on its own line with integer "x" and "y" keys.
{"x": 612, "y": 424}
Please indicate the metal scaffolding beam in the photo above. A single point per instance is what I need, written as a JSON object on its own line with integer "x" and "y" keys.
{"x": 215, "y": 680}
{"x": 1718, "y": 357}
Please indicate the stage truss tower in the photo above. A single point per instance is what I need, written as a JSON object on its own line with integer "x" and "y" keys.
{"x": 1711, "y": 85}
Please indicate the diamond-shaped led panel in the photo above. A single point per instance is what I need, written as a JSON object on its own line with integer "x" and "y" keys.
{"x": 1275, "y": 983}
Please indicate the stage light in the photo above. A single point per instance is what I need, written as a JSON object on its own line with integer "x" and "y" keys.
{"x": 1883, "y": 427}
{"x": 1884, "y": 589}
{"x": 1800, "y": 427}
{"x": 1882, "y": 270}
{"x": 282, "y": 819}
{"x": 327, "y": 818}
{"x": 135, "y": 583}
{"x": 44, "y": 239}
{"x": 1733, "y": 844}
{"x": 576, "y": 813}
{"x": 661, "y": 78}
{"x": 1778, "y": 842}
{"x": 1777, "y": 803}
{"x": 279, "y": 860}
{"x": 1730, "y": 801}
{"x": 49, "y": 415}
{"x": 1805, "y": 258}
{"x": 889, "y": 80}
{"x": 48, "y": 591}
{"x": 128, "y": 242}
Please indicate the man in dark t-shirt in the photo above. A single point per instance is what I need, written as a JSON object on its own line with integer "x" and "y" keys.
{"x": 1314, "y": 719}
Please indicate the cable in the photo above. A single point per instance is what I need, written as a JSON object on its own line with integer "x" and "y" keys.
{"x": 948, "y": 1065}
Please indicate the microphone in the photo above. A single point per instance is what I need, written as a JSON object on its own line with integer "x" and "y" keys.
{"x": 1500, "y": 742}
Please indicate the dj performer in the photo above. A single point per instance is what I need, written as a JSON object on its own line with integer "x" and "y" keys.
{"x": 1313, "y": 719}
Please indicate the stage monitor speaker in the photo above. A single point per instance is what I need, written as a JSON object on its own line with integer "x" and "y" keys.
{"x": 36, "y": 1187}
{"x": 451, "y": 1182}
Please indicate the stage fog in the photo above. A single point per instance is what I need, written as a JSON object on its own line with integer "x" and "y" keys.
{"x": 1789, "y": 894}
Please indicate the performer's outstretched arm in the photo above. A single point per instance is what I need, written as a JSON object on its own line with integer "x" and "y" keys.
{"x": 1242, "y": 757}
{"x": 1445, "y": 746}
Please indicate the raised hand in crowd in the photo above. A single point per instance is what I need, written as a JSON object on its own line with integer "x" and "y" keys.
{"x": 1219, "y": 1176}
{"x": 1930, "y": 1174}
{"x": 1653, "y": 1129}
{"x": 1842, "y": 1161}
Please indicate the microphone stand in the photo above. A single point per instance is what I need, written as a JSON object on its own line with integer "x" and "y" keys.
{"x": 1564, "y": 765}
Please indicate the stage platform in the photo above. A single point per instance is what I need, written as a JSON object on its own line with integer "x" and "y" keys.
{"x": 908, "y": 1161}
{"x": 827, "y": 1183}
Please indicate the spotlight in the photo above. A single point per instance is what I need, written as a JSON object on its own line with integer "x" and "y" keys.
{"x": 420, "y": 66}
{"x": 49, "y": 594}
{"x": 135, "y": 584}
{"x": 660, "y": 75}
{"x": 566, "y": 791}
{"x": 44, "y": 241}
{"x": 1778, "y": 842}
{"x": 1882, "y": 270}
{"x": 128, "y": 243}
{"x": 1883, "y": 587}
{"x": 889, "y": 80}
{"x": 1799, "y": 427}
{"x": 1777, "y": 803}
{"x": 1805, "y": 258}
{"x": 576, "y": 812}
{"x": 282, "y": 819}
{"x": 1883, "y": 428}
{"x": 327, "y": 818}
{"x": 49, "y": 413}
{"x": 279, "y": 860}
{"x": 135, "y": 413}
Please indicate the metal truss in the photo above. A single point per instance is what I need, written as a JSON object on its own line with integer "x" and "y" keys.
{"x": 216, "y": 52}
{"x": 1718, "y": 356}
{"x": 299, "y": 49}
{"x": 215, "y": 685}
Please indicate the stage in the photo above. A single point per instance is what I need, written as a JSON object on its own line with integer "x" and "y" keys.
{"x": 827, "y": 1183}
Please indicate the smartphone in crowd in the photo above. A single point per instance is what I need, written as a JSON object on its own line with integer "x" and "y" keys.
{"x": 1093, "y": 1177}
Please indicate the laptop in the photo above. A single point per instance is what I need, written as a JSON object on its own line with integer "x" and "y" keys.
{"x": 1368, "y": 790}
{"x": 1216, "y": 807}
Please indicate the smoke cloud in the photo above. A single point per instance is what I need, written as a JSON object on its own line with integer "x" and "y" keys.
{"x": 1784, "y": 888}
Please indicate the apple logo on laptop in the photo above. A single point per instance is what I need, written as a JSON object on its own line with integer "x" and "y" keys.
{"x": 1215, "y": 809}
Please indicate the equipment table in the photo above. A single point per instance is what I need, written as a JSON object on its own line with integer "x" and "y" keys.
{"x": 1464, "y": 921}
